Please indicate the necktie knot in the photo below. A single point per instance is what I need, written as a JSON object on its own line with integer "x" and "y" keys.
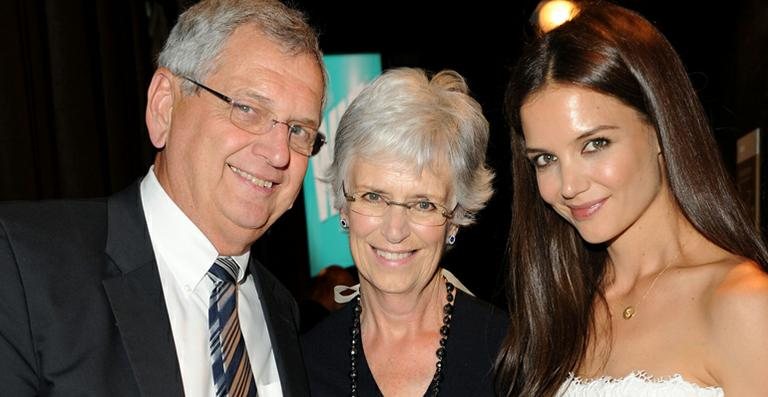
{"x": 225, "y": 269}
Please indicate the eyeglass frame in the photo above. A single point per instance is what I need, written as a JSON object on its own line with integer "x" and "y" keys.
{"x": 407, "y": 205}
{"x": 317, "y": 144}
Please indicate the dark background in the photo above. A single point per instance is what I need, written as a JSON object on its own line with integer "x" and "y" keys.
{"x": 74, "y": 76}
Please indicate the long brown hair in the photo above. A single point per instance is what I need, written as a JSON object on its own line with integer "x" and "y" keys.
{"x": 555, "y": 277}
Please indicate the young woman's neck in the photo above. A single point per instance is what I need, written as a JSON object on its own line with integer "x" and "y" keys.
{"x": 661, "y": 238}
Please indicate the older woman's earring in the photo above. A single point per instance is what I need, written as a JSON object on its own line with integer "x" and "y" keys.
{"x": 343, "y": 223}
{"x": 451, "y": 239}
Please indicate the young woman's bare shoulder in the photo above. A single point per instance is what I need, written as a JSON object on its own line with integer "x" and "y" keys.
{"x": 738, "y": 325}
{"x": 743, "y": 276}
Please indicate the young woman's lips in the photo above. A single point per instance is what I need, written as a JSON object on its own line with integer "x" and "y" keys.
{"x": 585, "y": 211}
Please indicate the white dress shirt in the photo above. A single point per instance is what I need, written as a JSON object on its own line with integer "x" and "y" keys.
{"x": 184, "y": 256}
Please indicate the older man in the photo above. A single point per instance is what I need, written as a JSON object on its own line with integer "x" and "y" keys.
{"x": 153, "y": 291}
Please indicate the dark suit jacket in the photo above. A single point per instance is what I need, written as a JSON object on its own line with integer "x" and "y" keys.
{"x": 82, "y": 311}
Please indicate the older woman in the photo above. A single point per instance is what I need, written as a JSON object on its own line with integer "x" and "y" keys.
{"x": 409, "y": 170}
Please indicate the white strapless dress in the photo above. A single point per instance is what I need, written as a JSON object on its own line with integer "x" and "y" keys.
{"x": 636, "y": 384}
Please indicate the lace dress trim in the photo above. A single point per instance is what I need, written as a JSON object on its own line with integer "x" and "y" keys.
{"x": 637, "y": 383}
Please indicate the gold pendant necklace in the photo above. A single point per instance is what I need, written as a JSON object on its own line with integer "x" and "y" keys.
{"x": 630, "y": 311}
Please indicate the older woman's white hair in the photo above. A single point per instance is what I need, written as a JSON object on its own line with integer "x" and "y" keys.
{"x": 408, "y": 117}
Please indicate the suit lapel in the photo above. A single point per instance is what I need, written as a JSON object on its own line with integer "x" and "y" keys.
{"x": 137, "y": 300}
{"x": 279, "y": 310}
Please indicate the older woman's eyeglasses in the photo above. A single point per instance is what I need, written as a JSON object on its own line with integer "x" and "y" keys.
{"x": 421, "y": 211}
{"x": 257, "y": 120}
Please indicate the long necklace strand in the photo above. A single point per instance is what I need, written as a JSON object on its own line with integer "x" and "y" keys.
{"x": 354, "y": 350}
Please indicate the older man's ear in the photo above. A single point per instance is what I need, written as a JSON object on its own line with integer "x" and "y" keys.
{"x": 160, "y": 99}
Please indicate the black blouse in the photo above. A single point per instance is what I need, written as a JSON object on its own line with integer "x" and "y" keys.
{"x": 477, "y": 330}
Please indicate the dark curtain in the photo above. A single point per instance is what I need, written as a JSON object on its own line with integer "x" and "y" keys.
{"x": 74, "y": 84}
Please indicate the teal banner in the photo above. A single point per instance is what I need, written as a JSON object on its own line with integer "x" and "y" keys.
{"x": 328, "y": 243}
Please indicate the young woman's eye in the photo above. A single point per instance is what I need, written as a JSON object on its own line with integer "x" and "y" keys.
{"x": 596, "y": 144}
{"x": 543, "y": 160}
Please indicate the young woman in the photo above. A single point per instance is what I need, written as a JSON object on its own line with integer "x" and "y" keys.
{"x": 634, "y": 268}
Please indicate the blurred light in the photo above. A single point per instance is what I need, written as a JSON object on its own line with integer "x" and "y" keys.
{"x": 550, "y": 14}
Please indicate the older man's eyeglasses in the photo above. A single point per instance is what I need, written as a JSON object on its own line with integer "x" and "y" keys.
{"x": 421, "y": 211}
{"x": 257, "y": 120}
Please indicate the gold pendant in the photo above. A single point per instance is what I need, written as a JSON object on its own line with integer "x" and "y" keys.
{"x": 628, "y": 313}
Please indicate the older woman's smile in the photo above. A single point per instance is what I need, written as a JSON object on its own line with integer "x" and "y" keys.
{"x": 393, "y": 255}
{"x": 408, "y": 152}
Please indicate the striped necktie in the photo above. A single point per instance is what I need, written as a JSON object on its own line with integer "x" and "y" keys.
{"x": 232, "y": 374}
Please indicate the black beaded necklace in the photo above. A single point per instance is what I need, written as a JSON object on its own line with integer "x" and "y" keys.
{"x": 354, "y": 350}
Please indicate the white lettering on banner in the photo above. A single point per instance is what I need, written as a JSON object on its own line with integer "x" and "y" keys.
{"x": 323, "y": 160}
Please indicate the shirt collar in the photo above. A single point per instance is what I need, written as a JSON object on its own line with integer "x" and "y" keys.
{"x": 177, "y": 241}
